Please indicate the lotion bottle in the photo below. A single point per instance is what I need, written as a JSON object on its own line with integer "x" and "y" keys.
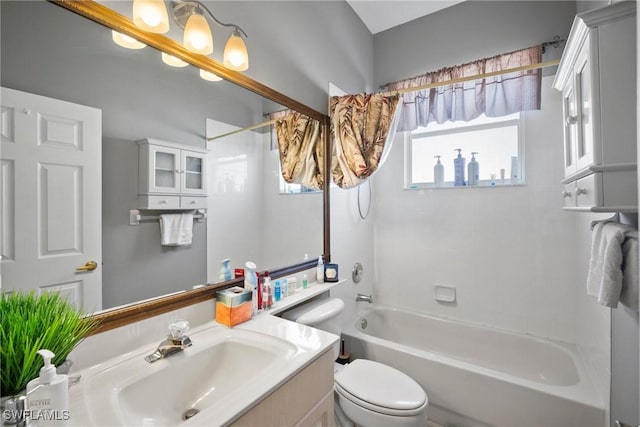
{"x": 438, "y": 173}
{"x": 473, "y": 170}
{"x": 458, "y": 167}
{"x": 276, "y": 291}
{"x": 320, "y": 270}
{"x": 265, "y": 292}
{"x": 305, "y": 279}
{"x": 48, "y": 395}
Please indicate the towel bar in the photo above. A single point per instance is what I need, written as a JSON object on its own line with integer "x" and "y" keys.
{"x": 135, "y": 217}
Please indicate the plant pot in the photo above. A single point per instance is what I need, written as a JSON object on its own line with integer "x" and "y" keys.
{"x": 13, "y": 409}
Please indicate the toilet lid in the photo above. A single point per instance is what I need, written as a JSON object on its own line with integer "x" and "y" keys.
{"x": 380, "y": 385}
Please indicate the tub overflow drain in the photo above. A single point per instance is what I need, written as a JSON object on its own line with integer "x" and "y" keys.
{"x": 363, "y": 323}
{"x": 189, "y": 413}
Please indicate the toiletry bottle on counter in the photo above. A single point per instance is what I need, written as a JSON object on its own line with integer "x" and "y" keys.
{"x": 438, "y": 173}
{"x": 265, "y": 291}
{"x": 284, "y": 288}
{"x": 305, "y": 278}
{"x": 473, "y": 170}
{"x": 320, "y": 270}
{"x": 293, "y": 285}
{"x": 251, "y": 283}
{"x": 458, "y": 167}
{"x": 48, "y": 395}
{"x": 276, "y": 291}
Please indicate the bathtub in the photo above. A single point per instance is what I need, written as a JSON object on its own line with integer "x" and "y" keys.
{"x": 480, "y": 376}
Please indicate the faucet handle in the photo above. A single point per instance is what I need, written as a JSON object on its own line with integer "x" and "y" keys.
{"x": 178, "y": 329}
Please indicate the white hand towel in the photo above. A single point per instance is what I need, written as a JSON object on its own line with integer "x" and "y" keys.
{"x": 630, "y": 276}
{"x": 604, "y": 280}
{"x": 176, "y": 229}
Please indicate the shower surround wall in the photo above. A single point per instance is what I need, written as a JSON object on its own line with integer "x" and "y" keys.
{"x": 518, "y": 261}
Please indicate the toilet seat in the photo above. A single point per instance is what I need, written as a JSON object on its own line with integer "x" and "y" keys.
{"x": 380, "y": 388}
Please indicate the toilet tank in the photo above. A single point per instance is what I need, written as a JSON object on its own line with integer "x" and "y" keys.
{"x": 324, "y": 314}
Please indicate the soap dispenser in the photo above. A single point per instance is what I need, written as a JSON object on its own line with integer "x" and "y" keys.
{"x": 458, "y": 166}
{"x": 48, "y": 395}
{"x": 438, "y": 173}
{"x": 473, "y": 170}
{"x": 320, "y": 270}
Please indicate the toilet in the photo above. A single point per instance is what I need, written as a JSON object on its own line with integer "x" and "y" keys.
{"x": 367, "y": 393}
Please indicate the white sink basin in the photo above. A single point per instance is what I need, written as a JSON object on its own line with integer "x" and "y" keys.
{"x": 220, "y": 366}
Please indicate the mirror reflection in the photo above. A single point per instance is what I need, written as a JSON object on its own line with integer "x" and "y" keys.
{"x": 53, "y": 53}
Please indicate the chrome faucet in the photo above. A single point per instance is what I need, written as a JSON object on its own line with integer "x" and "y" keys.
{"x": 175, "y": 342}
{"x": 363, "y": 297}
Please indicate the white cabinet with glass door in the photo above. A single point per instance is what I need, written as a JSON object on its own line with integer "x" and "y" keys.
{"x": 172, "y": 176}
{"x": 597, "y": 79}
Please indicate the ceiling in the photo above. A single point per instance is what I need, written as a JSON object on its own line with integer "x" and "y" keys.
{"x": 380, "y": 15}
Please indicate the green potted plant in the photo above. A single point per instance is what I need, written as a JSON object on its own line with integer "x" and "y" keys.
{"x": 31, "y": 322}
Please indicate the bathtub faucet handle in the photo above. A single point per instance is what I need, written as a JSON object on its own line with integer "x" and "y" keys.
{"x": 363, "y": 297}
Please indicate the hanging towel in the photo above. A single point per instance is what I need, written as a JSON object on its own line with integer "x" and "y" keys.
{"x": 176, "y": 229}
{"x": 630, "y": 276}
{"x": 604, "y": 280}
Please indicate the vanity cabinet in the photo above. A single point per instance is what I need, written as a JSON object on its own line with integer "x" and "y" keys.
{"x": 597, "y": 78}
{"x": 171, "y": 176}
{"x": 304, "y": 400}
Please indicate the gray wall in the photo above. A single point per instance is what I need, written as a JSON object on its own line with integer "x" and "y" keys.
{"x": 468, "y": 31}
{"x": 295, "y": 47}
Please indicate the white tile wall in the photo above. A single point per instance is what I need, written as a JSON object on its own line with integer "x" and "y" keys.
{"x": 517, "y": 259}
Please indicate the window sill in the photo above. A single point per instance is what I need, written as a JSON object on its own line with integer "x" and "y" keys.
{"x": 450, "y": 186}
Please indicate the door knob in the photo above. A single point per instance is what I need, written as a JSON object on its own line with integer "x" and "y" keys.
{"x": 89, "y": 266}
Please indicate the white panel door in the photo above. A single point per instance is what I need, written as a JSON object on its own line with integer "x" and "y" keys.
{"x": 51, "y": 197}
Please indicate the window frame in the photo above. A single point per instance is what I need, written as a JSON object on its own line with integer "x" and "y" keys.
{"x": 464, "y": 127}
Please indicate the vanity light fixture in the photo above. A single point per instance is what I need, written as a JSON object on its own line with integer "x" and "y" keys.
{"x": 206, "y": 75}
{"x": 151, "y": 15}
{"x": 235, "y": 52}
{"x": 126, "y": 41}
{"x": 173, "y": 61}
{"x": 197, "y": 34}
{"x": 191, "y": 15}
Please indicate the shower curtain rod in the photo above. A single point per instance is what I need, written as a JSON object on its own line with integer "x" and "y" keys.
{"x": 475, "y": 77}
{"x": 233, "y": 132}
{"x": 545, "y": 64}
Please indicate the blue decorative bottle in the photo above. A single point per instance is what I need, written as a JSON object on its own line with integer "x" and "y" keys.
{"x": 225, "y": 270}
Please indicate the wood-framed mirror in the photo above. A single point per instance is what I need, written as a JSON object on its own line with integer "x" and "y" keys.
{"x": 96, "y": 13}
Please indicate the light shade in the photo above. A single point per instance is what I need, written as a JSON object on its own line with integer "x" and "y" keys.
{"x": 151, "y": 15}
{"x": 209, "y": 76}
{"x": 126, "y": 41}
{"x": 235, "y": 53}
{"x": 197, "y": 35}
{"x": 173, "y": 61}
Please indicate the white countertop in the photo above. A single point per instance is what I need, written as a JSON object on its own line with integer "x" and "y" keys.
{"x": 309, "y": 342}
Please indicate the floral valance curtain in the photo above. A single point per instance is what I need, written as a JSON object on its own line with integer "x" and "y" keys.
{"x": 361, "y": 127}
{"x": 300, "y": 146}
{"x": 494, "y": 96}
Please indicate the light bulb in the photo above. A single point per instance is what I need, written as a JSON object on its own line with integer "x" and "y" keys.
{"x": 173, "y": 61}
{"x": 235, "y": 53}
{"x": 126, "y": 41}
{"x": 151, "y": 15}
{"x": 197, "y": 35}
{"x": 206, "y": 75}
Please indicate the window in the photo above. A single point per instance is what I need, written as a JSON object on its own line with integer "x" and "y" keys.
{"x": 286, "y": 188}
{"x": 496, "y": 140}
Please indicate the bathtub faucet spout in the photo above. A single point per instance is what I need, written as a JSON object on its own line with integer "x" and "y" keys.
{"x": 363, "y": 297}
